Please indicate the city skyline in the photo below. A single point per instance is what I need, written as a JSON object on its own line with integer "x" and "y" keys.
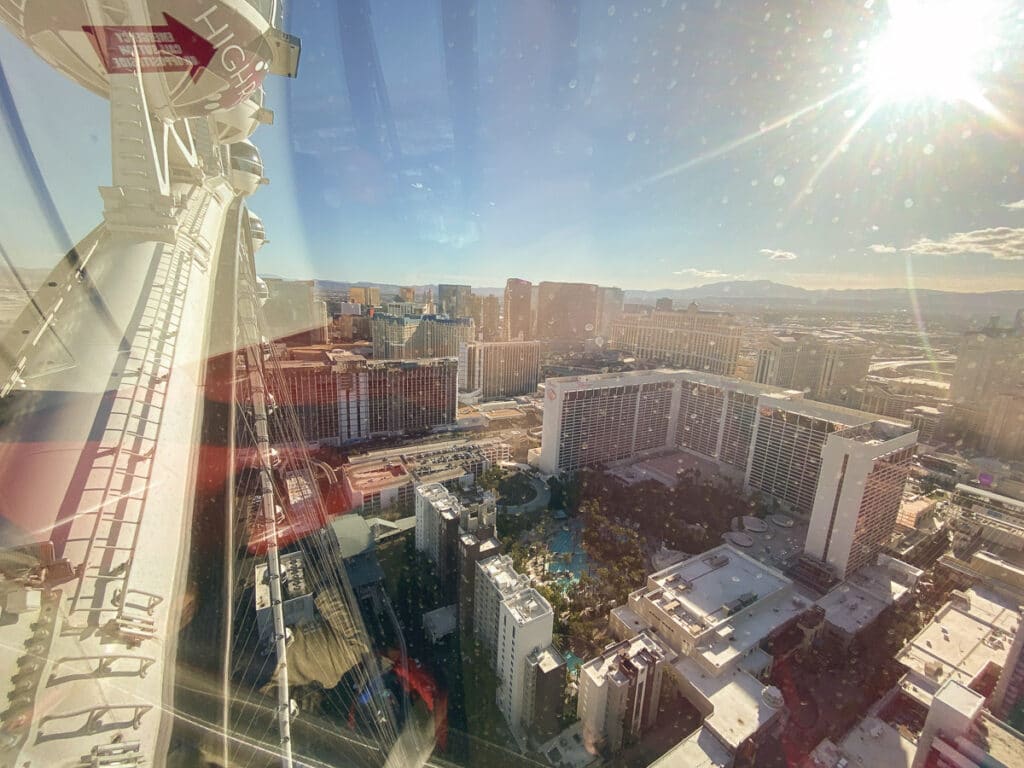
{"x": 296, "y": 521}
{"x": 781, "y": 164}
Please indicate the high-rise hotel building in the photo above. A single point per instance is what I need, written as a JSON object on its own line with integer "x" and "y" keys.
{"x": 489, "y": 370}
{"x": 519, "y": 310}
{"x": 339, "y": 397}
{"x": 406, "y": 338}
{"x": 844, "y": 468}
{"x": 689, "y": 338}
{"x": 826, "y": 367}
{"x": 859, "y": 491}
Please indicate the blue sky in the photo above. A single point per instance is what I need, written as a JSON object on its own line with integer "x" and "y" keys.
{"x": 606, "y": 147}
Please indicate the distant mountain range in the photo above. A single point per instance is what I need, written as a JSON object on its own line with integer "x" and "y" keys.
{"x": 768, "y": 295}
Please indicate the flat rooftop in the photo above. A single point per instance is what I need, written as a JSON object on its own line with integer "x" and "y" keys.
{"x": 549, "y": 659}
{"x": 441, "y": 499}
{"x": 701, "y": 586}
{"x": 527, "y": 605}
{"x": 293, "y": 579}
{"x": 726, "y": 600}
{"x": 641, "y": 651}
{"x": 376, "y": 476}
{"x": 999, "y": 740}
{"x": 959, "y": 643}
{"x": 877, "y": 432}
{"x": 499, "y": 571}
{"x": 440, "y": 622}
{"x": 701, "y": 749}
{"x": 741, "y": 703}
{"x": 873, "y": 742}
{"x": 836, "y": 414}
{"x": 860, "y": 599}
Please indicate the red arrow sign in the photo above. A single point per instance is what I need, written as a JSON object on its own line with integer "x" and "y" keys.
{"x": 172, "y": 48}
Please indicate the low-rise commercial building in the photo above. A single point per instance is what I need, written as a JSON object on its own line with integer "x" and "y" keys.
{"x": 969, "y": 637}
{"x": 296, "y": 595}
{"x": 713, "y": 612}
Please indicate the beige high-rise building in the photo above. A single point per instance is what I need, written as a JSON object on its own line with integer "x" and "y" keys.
{"x": 609, "y": 310}
{"x": 690, "y": 338}
{"x": 826, "y": 367}
{"x": 366, "y": 295}
{"x": 519, "y": 310}
{"x": 566, "y": 311}
{"x": 491, "y": 370}
{"x": 392, "y": 336}
{"x": 490, "y": 318}
{"x": 1002, "y": 434}
{"x": 989, "y": 369}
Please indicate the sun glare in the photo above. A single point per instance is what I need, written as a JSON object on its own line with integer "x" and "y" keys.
{"x": 931, "y": 51}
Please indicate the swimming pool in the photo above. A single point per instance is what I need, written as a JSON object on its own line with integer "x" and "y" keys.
{"x": 568, "y": 558}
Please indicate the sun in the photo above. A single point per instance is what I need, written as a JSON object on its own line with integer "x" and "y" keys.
{"x": 932, "y": 50}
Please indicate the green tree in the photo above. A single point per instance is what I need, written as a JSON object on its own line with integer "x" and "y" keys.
{"x": 490, "y": 478}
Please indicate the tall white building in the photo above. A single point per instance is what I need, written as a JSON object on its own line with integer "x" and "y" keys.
{"x": 860, "y": 489}
{"x": 619, "y": 691}
{"x": 496, "y": 580}
{"x": 525, "y": 624}
{"x": 513, "y": 623}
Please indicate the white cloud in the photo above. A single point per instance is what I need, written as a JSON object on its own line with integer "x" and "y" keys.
{"x": 703, "y": 274}
{"x": 882, "y": 248}
{"x": 1016, "y": 205}
{"x": 1001, "y": 243}
{"x": 777, "y": 255}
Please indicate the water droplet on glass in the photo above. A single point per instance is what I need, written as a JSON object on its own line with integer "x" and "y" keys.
{"x": 631, "y": 135}
{"x": 572, "y": 84}
{"x": 611, "y": 10}
{"x": 827, "y": 34}
{"x": 779, "y": 180}
{"x": 928, "y": 149}
{"x": 908, "y": 203}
